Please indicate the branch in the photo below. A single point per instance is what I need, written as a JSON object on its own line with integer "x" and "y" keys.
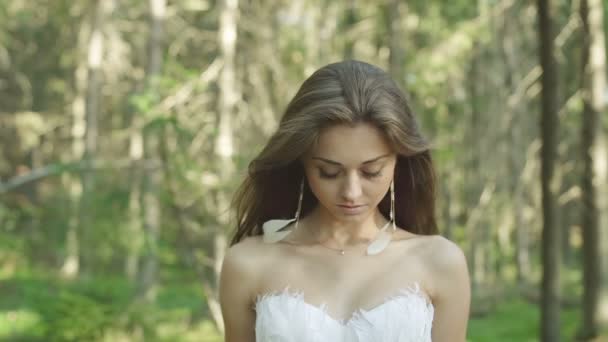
{"x": 79, "y": 166}
{"x": 34, "y": 175}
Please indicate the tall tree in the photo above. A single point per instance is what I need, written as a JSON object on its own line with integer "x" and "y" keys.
{"x": 593, "y": 147}
{"x": 550, "y": 293}
{"x": 151, "y": 208}
{"x": 396, "y": 14}
{"x": 476, "y": 193}
{"x": 224, "y": 144}
{"x": 71, "y": 262}
{"x": 508, "y": 52}
{"x": 101, "y": 11}
{"x": 350, "y": 19}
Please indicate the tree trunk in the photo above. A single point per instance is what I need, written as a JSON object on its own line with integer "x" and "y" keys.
{"x": 95, "y": 54}
{"x": 71, "y": 262}
{"x": 514, "y": 146}
{"x": 474, "y": 178}
{"x": 550, "y": 288}
{"x": 224, "y": 144}
{"x": 593, "y": 180}
{"x": 134, "y": 227}
{"x": 447, "y": 208}
{"x": 151, "y": 209}
{"x": 396, "y": 35}
{"x": 349, "y": 21}
{"x": 313, "y": 39}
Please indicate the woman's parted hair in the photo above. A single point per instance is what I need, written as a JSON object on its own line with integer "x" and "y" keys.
{"x": 348, "y": 92}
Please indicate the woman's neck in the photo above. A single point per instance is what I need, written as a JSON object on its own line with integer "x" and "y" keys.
{"x": 329, "y": 230}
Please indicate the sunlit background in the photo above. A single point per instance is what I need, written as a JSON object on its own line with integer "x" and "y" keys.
{"x": 125, "y": 127}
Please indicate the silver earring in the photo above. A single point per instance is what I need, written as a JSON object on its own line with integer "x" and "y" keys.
{"x": 384, "y": 236}
{"x": 273, "y": 229}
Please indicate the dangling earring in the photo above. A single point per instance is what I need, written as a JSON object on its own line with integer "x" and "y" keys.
{"x": 384, "y": 236}
{"x": 272, "y": 228}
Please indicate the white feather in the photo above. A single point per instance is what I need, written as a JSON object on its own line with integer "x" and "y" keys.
{"x": 381, "y": 241}
{"x": 272, "y": 230}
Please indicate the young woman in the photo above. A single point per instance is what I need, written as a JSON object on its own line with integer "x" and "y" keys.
{"x": 336, "y": 236}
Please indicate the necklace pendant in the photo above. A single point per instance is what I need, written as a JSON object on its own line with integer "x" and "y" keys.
{"x": 342, "y": 252}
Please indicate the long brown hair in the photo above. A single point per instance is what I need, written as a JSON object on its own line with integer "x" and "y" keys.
{"x": 346, "y": 92}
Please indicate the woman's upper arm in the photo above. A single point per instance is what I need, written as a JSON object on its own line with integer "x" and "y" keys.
{"x": 236, "y": 284}
{"x": 452, "y": 292}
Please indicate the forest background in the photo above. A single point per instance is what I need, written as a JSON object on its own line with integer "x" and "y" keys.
{"x": 125, "y": 127}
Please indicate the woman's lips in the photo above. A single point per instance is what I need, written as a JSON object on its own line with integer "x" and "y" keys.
{"x": 351, "y": 209}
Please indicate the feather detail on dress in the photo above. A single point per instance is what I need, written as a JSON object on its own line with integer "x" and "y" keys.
{"x": 285, "y": 316}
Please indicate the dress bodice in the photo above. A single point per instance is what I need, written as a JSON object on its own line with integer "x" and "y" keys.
{"x": 285, "y": 316}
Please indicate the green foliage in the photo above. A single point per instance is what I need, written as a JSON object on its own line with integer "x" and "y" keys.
{"x": 8, "y": 219}
{"x": 517, "y": 320}
{"x": 35, "y": 308}
{"x": 43, "y": 86}
{"x": 79, "y": 311}
{"x": 143, "y": 102}
{"x": 74, "y": 317}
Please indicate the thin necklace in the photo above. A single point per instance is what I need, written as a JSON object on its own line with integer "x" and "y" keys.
{"x": 340, "y": 251}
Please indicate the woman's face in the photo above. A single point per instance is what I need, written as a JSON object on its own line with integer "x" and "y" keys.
{"x": 350, "y": 170}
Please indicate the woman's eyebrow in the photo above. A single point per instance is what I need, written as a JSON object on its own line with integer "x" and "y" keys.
{"x": 333, "y": 162}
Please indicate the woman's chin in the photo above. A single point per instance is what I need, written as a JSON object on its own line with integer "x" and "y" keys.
{"x": 351, "y": 215}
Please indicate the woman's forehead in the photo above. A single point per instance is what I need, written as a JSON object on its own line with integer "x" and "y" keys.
{"x": 351, "y": 144}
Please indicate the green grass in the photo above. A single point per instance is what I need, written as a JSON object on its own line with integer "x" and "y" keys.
{"x": 517, "y": 320}
{"x": 32, "y": 307}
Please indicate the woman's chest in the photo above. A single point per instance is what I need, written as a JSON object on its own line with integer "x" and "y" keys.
{"x": 286, "y": 316}
{"x": 342, "y": 284}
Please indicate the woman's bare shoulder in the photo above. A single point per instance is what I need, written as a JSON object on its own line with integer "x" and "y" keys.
{"x": 238, "y": 287}
{"x": 240, "y": 267}
{"x": 246, "y": 251}
{"x": 248, "y": 242}
{"x": 446, "y": 262}
{"x": 441, "y": 253}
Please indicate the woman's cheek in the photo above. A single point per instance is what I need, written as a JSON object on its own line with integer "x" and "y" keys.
{"x": 317, "y": 188}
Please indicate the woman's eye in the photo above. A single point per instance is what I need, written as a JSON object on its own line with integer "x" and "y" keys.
{"x": 372, "y": 174}
{"x": 328, "y": 175}
{"x": 332, "y": 175}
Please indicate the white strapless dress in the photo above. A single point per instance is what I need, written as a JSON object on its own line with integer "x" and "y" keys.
{"x": 285, "y": 317}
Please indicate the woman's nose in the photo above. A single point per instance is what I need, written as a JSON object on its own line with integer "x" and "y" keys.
{"x": 352, "y": 187}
